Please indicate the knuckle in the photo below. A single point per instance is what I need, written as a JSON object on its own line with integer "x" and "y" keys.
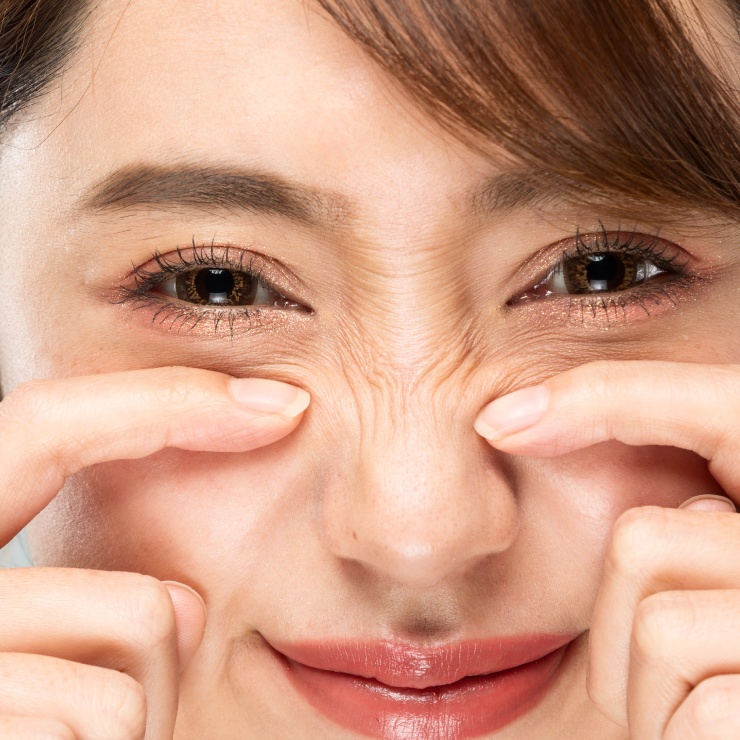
{"x": 175, "y": 386}
{"x": 713, "y": 702}
{"x": 725, "y": 377}
{"x": 600, "y": 378}
{"x": 638, "y": 534}
{"x": 123, "y": 706}
{"x": 27, "y": 419}
{"x": 660, "y": 619}
{"x": 725, "y": 382}
{"x": 150, "y": 609}
{"x": 28, "y": 401}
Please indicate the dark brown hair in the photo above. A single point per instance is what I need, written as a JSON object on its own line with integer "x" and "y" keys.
{"x": 37, "y": 37}
{"x": 609, "y": 99}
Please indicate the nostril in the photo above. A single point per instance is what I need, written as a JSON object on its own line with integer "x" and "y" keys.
{"x": 420, "y": 563}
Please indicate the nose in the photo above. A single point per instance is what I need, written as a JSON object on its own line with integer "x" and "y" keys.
{"x": 422, "y": 497}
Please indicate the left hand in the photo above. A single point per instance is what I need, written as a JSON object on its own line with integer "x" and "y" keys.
{"x": 664, "y": 652}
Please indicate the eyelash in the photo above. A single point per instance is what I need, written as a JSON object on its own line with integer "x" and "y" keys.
{"x": 648, "y": 247}
{"x": 200, "y": 256}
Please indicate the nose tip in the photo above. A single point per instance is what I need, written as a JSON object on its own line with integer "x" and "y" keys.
{"x": 420, "y": 510}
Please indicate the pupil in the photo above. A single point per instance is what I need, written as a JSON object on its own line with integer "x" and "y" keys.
{"x": 214, "y": 285}
{"x": 605, "y": 272}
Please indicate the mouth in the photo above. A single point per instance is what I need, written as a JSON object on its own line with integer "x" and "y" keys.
{"x": 398, "y": 692}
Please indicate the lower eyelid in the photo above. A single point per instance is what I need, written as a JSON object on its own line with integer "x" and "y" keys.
{"x": 644, "y": 302}
{"x": 185, "y": 320}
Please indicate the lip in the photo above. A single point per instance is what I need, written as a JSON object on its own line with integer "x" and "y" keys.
{"x": 396, "y": 691}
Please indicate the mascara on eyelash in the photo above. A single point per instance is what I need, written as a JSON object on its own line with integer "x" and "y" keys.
{"x": 204, "y": 256}
{"x": 645, "y": 249}
{"x": 614, "y": 304}
{"x": 147, "y": 279}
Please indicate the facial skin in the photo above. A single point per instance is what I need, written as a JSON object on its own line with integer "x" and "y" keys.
{"x": 384, "y": 515}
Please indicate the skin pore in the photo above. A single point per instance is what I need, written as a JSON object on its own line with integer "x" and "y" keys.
{"x": 384, "y": 515}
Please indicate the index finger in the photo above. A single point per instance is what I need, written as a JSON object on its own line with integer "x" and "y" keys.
{"x": 688, "y": 405}
{"x": 51, "y": 429}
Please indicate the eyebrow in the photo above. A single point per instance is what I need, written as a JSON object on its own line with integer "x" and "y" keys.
{"x": 212, "y": 188}
{"x": 510, "y": 191}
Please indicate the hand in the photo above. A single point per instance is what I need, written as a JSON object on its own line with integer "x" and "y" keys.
{"x": 664, "y": 654}
{"x": 93, "y": 654}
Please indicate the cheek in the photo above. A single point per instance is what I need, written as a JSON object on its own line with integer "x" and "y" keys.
{"x": 569, "y": 504}
{"x": 175, "y": 515}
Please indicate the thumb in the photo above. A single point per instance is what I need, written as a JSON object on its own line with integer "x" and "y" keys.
{"x": 709, "y": 502}
{"x": 190, "y": 618}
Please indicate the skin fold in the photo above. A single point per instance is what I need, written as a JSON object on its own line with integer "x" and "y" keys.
{"x": 381, "y": 513}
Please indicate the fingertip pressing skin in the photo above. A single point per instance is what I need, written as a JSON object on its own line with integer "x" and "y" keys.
{"x": 632, "y": 401}
{"x": 513, "y": 413}
{"x": 190, "y": 618}
{"x": 175, "y": 404}
{"x": 709, "y": 502}
{"x": 269, "y": 396}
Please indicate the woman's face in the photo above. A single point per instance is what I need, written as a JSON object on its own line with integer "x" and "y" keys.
{"x": 384, "y": 516}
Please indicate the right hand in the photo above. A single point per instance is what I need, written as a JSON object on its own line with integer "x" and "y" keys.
{"x": 94, "y": 654}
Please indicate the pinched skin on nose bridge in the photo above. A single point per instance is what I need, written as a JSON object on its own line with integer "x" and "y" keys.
{"x": 406, "y": 375}
{"x": 411, "y": 337}
{"x": 397, "y": 404}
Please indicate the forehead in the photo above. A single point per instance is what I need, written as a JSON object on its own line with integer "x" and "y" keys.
{"x": 268, "y": 83}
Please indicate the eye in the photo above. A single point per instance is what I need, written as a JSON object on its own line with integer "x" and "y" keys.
{"x": 606, "y": 263}
{"x": 209, "y": 290}
{"x": 607, "y": 277}
{"x": 600, "y": 272}
{"x": 218, "y": 286}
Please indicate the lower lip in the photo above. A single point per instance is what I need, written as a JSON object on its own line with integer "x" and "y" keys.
{"x": 468, "y": 708}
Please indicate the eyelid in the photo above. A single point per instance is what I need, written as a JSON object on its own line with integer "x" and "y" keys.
{"x": 543, "y": 263}
{"x": 211, "y": 322}
{"x": 682, "y": 276}
{"x": 270, "y": 272}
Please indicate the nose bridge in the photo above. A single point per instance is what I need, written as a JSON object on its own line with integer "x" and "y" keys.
{"x": 420, "y": 499}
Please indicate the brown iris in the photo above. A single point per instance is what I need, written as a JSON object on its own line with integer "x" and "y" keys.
{"x": 218, "y": 286}
{"x": 600, "y": 272}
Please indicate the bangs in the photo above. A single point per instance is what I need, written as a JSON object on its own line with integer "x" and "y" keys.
{"x": 629, "y": 102}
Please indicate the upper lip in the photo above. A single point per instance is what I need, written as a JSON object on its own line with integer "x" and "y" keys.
{"x": 406, "y": 666}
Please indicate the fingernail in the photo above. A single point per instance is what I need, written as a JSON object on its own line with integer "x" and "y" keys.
{"x": 513, "y": 412}
{"x": 709, "y": 502}
{"x": 190, "y": 619}
{"x": 269, "y": 396}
